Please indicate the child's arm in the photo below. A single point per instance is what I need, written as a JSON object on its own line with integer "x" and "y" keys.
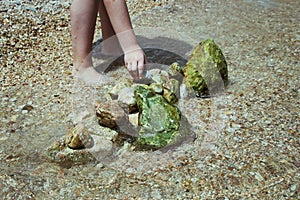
{"x": 120, "y": 20}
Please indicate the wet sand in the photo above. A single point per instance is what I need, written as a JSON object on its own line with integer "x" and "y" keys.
{"x": 250, "y": 145}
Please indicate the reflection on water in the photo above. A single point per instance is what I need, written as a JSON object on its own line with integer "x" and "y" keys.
{"x": 162, "y": 48}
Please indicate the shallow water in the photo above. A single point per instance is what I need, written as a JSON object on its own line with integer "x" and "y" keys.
{"x": 261, "y": 42}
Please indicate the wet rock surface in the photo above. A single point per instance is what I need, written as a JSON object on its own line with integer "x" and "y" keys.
{"x": 158, "y": 123}
{"x": 110, "y": 114}
{"x": 206, "y": 70}
{"x": 158, "y": 119}
{"x": 248, "y": 147}
{"x": 79, "y": 138}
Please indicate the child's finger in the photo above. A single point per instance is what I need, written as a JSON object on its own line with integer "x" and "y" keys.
{"x": 136, "y": 72}
{"x": 132, "y": 69}
{"x": 140, "y": 69}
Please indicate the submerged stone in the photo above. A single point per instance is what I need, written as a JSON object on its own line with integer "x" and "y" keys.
{"x": 156, "y": 88}
{"x": 170, "y": 96}
{"x": 171, "y": 90}
{"x": 114, "y": 92}
{"x": 158, "y": 75}
{"x": 206, "y": 70}
{"x": 109, "y": 114}
{"x": 159, "y": 121}
{"x": 79, "y": 138}
{"x": 72, "y": 148}
{"x": 175, "y": 70}
{"x": 60, "y": 152}
{"x": 126, "y": 100}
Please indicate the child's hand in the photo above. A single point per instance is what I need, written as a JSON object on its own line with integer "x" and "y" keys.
{"x": 134, "y": 61}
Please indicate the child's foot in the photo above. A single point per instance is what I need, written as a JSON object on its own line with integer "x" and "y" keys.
{"x": 90, "y": 76}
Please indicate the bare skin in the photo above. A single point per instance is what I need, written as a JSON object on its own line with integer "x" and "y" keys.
{"x": 116, "y": 29}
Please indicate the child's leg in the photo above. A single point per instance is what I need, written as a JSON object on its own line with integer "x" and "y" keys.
{"x": 134, "y": 57}
{"x": 110, "y": 43}
{"x": 83, "y": 21}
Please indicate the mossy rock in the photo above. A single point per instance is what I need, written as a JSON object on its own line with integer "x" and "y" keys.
{"x": 206, "y": 70}
{"x": 159, "y": 120}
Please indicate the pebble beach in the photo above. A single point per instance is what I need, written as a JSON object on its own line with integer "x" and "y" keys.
{"x": 250, "y": 142}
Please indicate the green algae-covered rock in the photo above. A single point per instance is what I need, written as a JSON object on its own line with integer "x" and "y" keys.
{"x": 206, "y": 70}
{"x": 158, "y": 119}
{"x": 164, "y": 90}
{"x": 170, "y": 96}
{"x": 171, "y": 90}
{"x": 175, "y": 70}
